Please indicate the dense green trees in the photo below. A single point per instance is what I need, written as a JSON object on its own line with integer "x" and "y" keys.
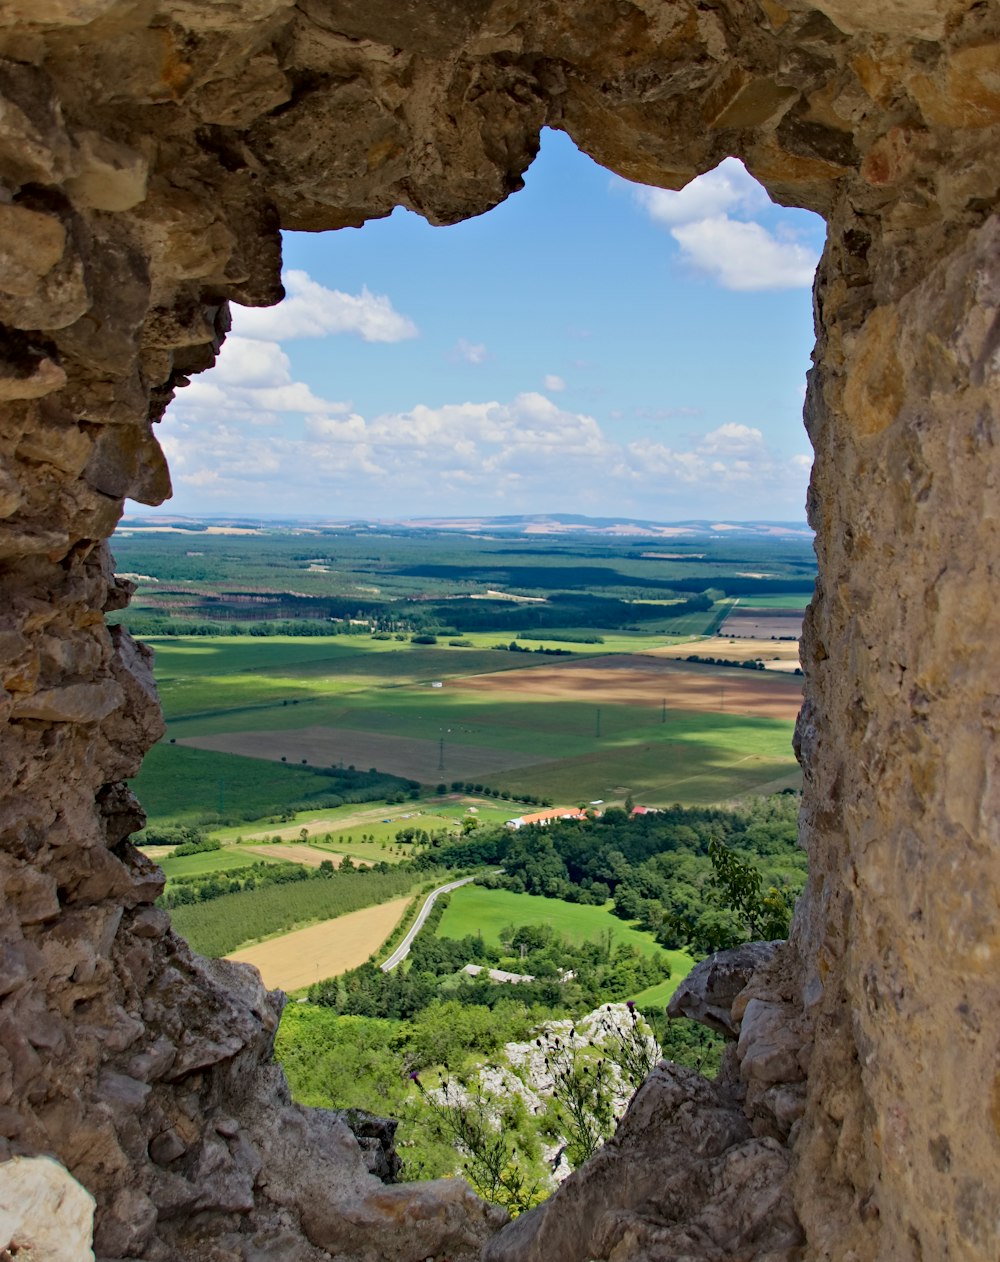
{"x": 659, "y": 868}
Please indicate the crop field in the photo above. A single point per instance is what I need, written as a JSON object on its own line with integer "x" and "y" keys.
{"x": 792, "y": 601}
{"x": 635, "y": 680}
{"x": 570, "y": 729}
{"x": 175, "y": 783}
{"x": 225, "y": 860}
{"x": 225, "y": 924}
{"x": 620, "y": 714}
{"x": 761, "y": 624}
{"x": 402, "y": 755}
{"x": 782, "y": 655}
{"x": 474, "y": 909}
{"x": 309, "y": 856}
{"x": 305, "y": 956}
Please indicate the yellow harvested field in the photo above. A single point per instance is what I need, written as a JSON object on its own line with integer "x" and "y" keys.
{"x": 775, "y": 654}
{"x": 307, "y": 855}
{"x": 305, "y": 956}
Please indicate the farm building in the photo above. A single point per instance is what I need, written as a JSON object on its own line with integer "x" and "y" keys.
{"x": 546, "y": 817}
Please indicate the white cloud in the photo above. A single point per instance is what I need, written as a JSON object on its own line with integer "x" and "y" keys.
{"x": 738, "y": 253}
{"x": 732, "y": 439}
{"x": 470, "y": 352}
{"x": 312, "y": 310}
{"x": 513, "y": 455}
{"x": 745, "y": 256}
{"x": 554, "y": 383}
{"x": 252, "y": 378}
{"x": 729, "y": 187}
{"x": 734, "y": 460}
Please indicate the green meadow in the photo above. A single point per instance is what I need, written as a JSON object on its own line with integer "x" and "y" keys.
{"x": 474, "y": 910}
{"x": 182, "y": 785}
{"x": 226, "y": 860}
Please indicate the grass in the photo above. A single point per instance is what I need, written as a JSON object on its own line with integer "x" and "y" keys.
{"x": 176, "y": 783}
{"x": 225, "y": 860}
{"x": 473, "y": 909}
{"x": 224, "y": 924}
{"x": 792, "y": 601}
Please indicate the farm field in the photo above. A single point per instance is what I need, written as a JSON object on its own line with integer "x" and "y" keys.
{"x": 780, "y": 655}
{"x": 309, "y": 856}
{"x": 542, "y": 728}
{"x": 227, "y": 859}
{"x": 791, "y": 601}
{"x": 305, "y": 956}
{"x": 415, "y": 758}
{"x": 175, "y": 783}
{"x": 620, "y": 713}
{"x": 348, "y": 824}
{"x": 223, "y": 925}
{"x": 639, "y": 680}
{"x": 761, "y": 624}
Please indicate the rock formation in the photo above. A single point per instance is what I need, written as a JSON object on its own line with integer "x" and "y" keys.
{"x": 149, "y": 152}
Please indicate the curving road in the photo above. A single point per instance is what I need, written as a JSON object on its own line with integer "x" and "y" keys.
{"x": 403, "y": 950}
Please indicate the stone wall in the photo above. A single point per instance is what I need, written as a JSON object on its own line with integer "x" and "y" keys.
{"x": 149, "y": 151}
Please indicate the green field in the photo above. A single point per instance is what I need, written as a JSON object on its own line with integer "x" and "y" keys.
{"x": 176, "y": 783}
{"x": 792, "y": 601}
{"x": 473, "y": 910}
{"x": 224, "y": 924}
{"x": 225, "y": 860}
{"x": 371, "y": 692}
{"x": 687, "y": 756}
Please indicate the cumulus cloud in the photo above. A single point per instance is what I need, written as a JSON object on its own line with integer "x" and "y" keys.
{"x": 734, "y": 460}
{"x": 253, "y": 378}
{"x": 745, "y": 256}
{"x": 712, "y": 220}
{"x": 730, "y": 187}
{"x": 470, "y": 352}
{"x": 554, "y": 383}
{"x": 523, "y": 452}
{"x": 312, "y": 310}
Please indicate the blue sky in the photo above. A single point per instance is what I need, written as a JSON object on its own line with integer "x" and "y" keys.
{"x": 589, "y": 346}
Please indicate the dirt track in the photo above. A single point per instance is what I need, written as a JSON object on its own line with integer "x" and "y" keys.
{"x": 308, "y": 955}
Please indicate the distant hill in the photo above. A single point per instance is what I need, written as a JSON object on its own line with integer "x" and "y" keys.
{"x": 531, "y": 524}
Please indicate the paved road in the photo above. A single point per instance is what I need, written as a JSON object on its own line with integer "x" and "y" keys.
{"x": 403, "y": 950}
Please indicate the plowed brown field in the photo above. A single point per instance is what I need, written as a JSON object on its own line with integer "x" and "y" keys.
{"x": 305, "y": 956}
{"x": 633, "y": 679}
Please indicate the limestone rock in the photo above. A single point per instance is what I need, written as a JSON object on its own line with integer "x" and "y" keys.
{"x": 30, "y": 246}
{"x": 150, "y": 154}
{"x": 682, "y": 1177}
{"x": 45, "y": 1215}
{"x": 707, "y": 993}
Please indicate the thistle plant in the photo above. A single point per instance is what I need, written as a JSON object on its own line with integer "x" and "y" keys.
{"x": 474, "y": 1122}
{"x": 630, "y": 1045}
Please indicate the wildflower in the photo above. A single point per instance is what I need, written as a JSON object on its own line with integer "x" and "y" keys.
{"x": 631, "y": 1005}
{"x": 414, "y": 1077}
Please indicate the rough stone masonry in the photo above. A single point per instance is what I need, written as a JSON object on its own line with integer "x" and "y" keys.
{"x": 149, "y": 152}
